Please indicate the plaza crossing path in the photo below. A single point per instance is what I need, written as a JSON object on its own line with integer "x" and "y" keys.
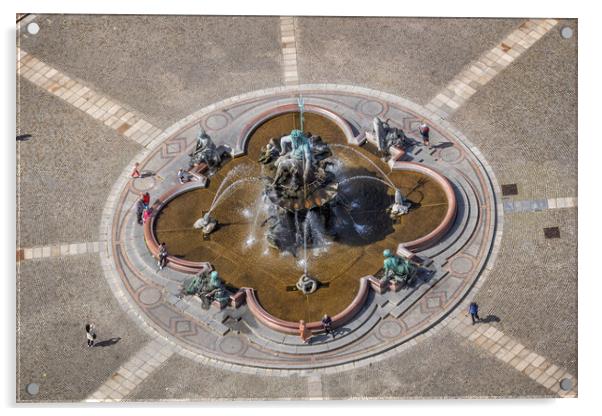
{"x": 120, "y": 127}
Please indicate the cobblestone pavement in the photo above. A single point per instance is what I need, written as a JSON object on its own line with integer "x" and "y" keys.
{"x": 165, "y": 67}
{"x": 68, "y": 152}
{"x": 412, "y": 58}
{"x": 535, "y": 294}
{"x": 56, "y": 298}
{"x": 523, "y": 121}
{"x": 183, "y": 379}
{"x": 446, "y": 366}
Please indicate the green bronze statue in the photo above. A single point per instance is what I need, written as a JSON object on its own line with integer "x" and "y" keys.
{"x": 397, "y": 268}
{"x": 209, "y": 287}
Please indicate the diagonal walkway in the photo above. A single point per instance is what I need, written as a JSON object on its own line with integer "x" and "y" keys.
{"x": 133, "y": 372}
{"x": 98, "y": 106}
{"x": 512, "y": 352}
{"x": 488, "y": 65}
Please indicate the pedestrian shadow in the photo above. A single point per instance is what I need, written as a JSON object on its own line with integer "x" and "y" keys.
{"x": 107, "y": 342}
{"x": 324, "y": 337}
{"x": 490, "y": 318}
{"x": 443, "y": 145}
{"x": 23, "y": 137}
{"x": 147, "y": 173}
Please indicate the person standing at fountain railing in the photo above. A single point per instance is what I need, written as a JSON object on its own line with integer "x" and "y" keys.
{"x": 139, "y": 211}
{"x": 424, "y": 132}
{"x": 146, "y": 214}
{"x": 146, "y": 199}
{"x": 162, "y": 256}
{"x": 327, "y": 325}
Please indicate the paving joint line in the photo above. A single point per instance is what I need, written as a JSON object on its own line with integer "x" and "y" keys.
{"x": 487, "y": 66}
{"x": 515, "y": 354}
{"x": 289, "y": 50}
{"x": 133, "y": 372}
{"x": 534, "y": 205}
{"x": 60, "y": 249}
{"x": 82, "y": 97}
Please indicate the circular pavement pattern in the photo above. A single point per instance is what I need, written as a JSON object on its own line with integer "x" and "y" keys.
{"x": 232, "y": 338}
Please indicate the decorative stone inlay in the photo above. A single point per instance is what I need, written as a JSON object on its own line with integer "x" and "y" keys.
{"x": 216, "y": 122}
{"x": 451, "y": 154}
{"x": 390, "y": 329}
{"x": 252, "y": 346}
{"x": 231, "y": 345}
{"x": 372, "y": 108}
{"x": 150, "y": 295}
{"x": 461, "y": 265}
{"x": 143, "y": 184}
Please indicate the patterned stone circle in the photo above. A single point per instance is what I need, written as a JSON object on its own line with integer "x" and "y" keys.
{"x": 231, "y": 338}
{"x": 216, "y": 121}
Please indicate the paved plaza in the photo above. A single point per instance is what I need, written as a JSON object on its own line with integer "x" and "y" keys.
{"x": 98, "y": 93}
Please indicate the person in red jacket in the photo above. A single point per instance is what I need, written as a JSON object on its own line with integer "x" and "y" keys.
{"x": 146, "y": 199}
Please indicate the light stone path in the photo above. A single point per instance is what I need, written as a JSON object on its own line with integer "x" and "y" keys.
{"x": 314, "y": 387}
{"x": 534, "y": 205}
{"x": 488, "y": 65}
{"x": 56, "y": 250}
{"x": 514, "y": 353}
{"x": 133, "y": 372}
{"x": 98, "y": 106}
{"x": 289, "y": 50}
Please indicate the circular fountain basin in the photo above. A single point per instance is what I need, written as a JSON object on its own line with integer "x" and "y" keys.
{"x": 238, "y": 248}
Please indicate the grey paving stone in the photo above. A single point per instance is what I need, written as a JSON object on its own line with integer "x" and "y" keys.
{"x": 442, "y": 366}
{"x": 57, "y": 297}
{"x": 175, "y": 64}
{"x": 182, "y": 379}
{"x": 68, "y": 153}
{"x": 524, "y": 120}
{"x": 533, "y": 286}
{"x": 393, "y": 54}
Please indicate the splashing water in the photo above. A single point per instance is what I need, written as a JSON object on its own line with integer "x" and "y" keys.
{"x": 250, "y": 241}
{"x": 342, "y": 146}
{"x": 235, "y": 171}
{"x": 366, "y": 177}
{"x": 316, "y": 230}
{"x": 229, "y": 189}
{"x": 361, "y": 229}
{"x": 247, "y": 213}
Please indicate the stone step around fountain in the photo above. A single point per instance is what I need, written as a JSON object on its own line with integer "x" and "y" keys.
{"x": 362, "y": 323}
{"x": 464, "y": 225}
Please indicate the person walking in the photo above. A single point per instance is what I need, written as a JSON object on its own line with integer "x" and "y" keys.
{"x": 90, "y": 335}
{"x": 327, "y": 325}
{"x": 473, "y": 310}
{"x": 146, "y": 199}
{"x": 139, "y": 211}
{"x": 304, "y": 333}
{"x": 162, "y": 256}
{"x": 424, "y": 132}
{"x": 136, "y": 170}
{"x": 146, "y": 214}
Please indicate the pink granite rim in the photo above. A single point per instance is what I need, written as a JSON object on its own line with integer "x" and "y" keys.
{"x": 452, "y": 206}
{"x": 248, "y": 130}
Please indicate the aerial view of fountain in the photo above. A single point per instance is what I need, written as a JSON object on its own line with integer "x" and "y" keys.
{"x": 301, "y": 216}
